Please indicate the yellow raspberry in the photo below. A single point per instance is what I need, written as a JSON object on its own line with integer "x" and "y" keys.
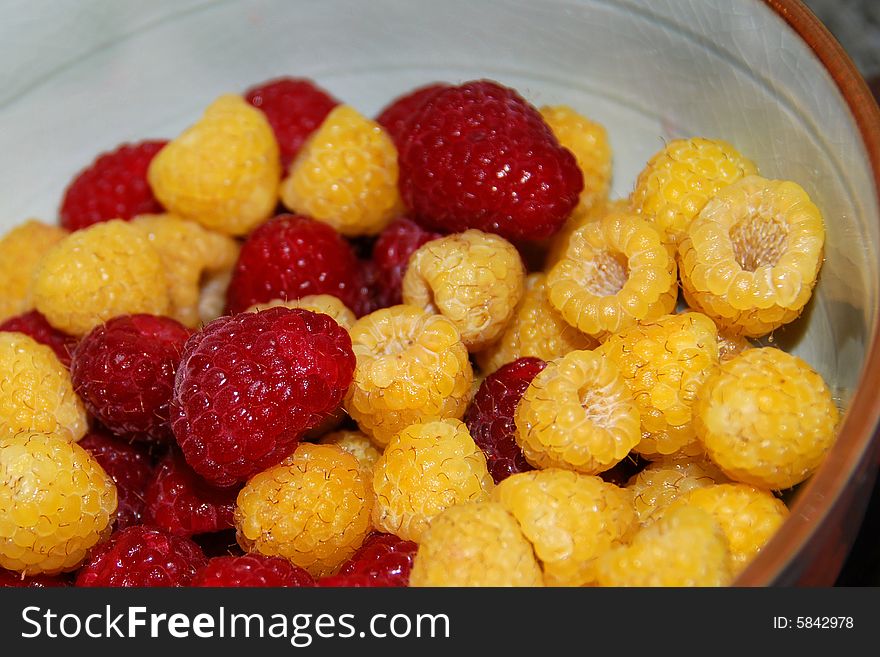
{"x": 766, "y": 418}
{"x": 357, "y": 444}
{"x": 473, "y": 278}
{"x": 312, "y": 509}
{"x": 345, "y": 175}
{"x": 21, "y": 249}
{"x": 751, "y": 258}
{"x": 588, "y": 141}
{"x": 570, "y": 519}
{"x": 748, "y": 516}
{"x": 56, "y": 503}
{"x": 411, "y": 367}
{"x": 537, "y": 329}
{"x": 581, "y": 216}
{"x": 102, "y": 271}
{"x": 425, "y": 469}
{"x": 319, "y": 303}
{"x": 212, "y": 296}
{"x": 579, "y": 414}
{"x": 193, "y": 258}
{"x": 36, "y": 392}
{"x": 665, "y": 362}
{"x": 679, "y": 179}
{"x": 223, "y": 171}
{"x": 686, "y": 547}
{"x": 665, "y": 480}
{"x": 615, "y": 272}
{"x": 475, "y": 544}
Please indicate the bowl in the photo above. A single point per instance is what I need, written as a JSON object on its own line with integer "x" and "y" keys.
{"x": 80, "y": 78}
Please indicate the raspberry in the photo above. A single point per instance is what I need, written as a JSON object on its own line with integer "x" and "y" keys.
{"x": 411, "y": 367}
{"x": 142, "y": 556}
{"x": 751, "y": 258}
{"x": 615, "y": 272}
{"x": 124, "y": 372}
{"x": 358, "y": 445}
{"x": 56, "y": 503}
{"x": 395, "y": 116}
{"x": 476, "y": 544}
{"x": 577, "y": 413}
{"x": 385, "y": 559}
{"x": 313, "y": 509}
{"x": 37, "y": 392}
{"x": 391, "y": 254}
{"x": 766, "y": 418}
{"x": 9, "y": 579}
{"x": 665, "y": 362}
{"x": 581, "y": 216}
{"x": 425, "y": 469}
{"x": 129, "y": 466}
{"x": 569, "y": 518}
{"x": 99, "y": 272}
{"x": 536, "y": 329}
{"x": 251, "y": 570}
{"x": 490, "y": 416}
{"x": 34, "y": 325}
{"x": 473, "y": 278}
{"x": 180, "y": 502}
{"x": 194, "y": 259}
{"x": 588, "y": 141}
{"x": 478, "y": 155}
{"x": 249, "y": 385}
{"x": 684, "y": 548}
{"x": 294, "y": 107}
{"x": 21, "y": 250}
{"x": 679, "y": 179}
{"x": 223, "y": 171}
{"x": 292, "y": 256}
{"x": 318, "y": 303}
{"x": 345, "y": 175}
{"x": 113, "y": 186}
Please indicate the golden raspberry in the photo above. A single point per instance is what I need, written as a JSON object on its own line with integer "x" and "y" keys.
{"x": 473, "y": 278}
{"x": 615, "y": 272}
{"x": 358, "y": 445}
{"x": 99, "y": 272}
{"x": 475, "y": 544}
{"x": 345, "y": 175}
{"x": 679, "y": 179}
{"x": 319, "y": 303}
{"x": 194, "y": 258}
{"x": 581, "y": 216}
{"x": 411, "y": 367}
{"x": 56, "y": 503}
{"x": 766, "y": 418}
{"x": 223, "y": 171}
{"x": 664, "y": 362}
{"x": 21, "y": 249}
{"x": 748, "y": 516}
{"x": 425, "y": 469}
{"x": 579, "y": 414}
{"x": 751, "y": 258}
{"x": 686, "y": 547}
{"x": 36, "y": 392}
{"x": 312, "y": 509}
{"x": 588, "y": 141}
{"x": 570, "y": 519}
{"x": 665, "y": 480}
{"x": 537, "y": 329}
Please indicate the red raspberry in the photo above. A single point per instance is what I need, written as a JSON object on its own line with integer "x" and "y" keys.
{"x": 12, "y": 579}
{"x": 181, "y": 502}
{"x": 139, "y": 556}
{"x": 129, "y": 466}
{"x": 294, "y": 107}
{"x": 35, "y": 325}
{"x": 490, "y": 417}
{"x": 385, "y": 558}
{"x": 249, "y": 385}
{"x": 391, "y": 254}
{"x": 396, "y": 115}
{"x": 114, "y": 186}
{"x": 479, "y": 156}
{"x": 251, "y": 570}
{"x": 124, "y": 372}
{"x": 291, "y": 256}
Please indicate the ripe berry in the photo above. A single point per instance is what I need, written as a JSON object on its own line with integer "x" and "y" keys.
{"x": 384, "y": 558}
{"x": 21, "y": 250}
{"x": 251, "y": 570}
{"x": 33, "y": 324}
{"x": 395, "y": 116}
{"x": 391, "y": 254}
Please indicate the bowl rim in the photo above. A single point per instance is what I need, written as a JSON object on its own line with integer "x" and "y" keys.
{"x": 779, "y": 563}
